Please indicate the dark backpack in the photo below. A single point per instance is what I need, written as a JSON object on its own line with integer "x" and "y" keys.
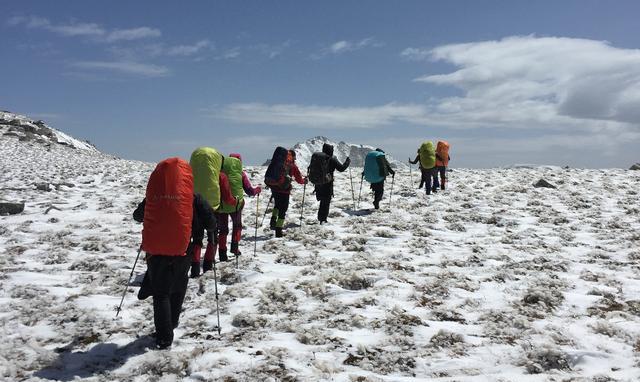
{"x": 318, "y": 171}
{"x": 277, "y": 174}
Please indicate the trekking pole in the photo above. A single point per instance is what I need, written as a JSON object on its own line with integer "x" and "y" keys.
{"x": 410, "y": 174}
{"x": 360, "y": 192}
{"x": 215, "y": 283}
{"x": 265, "y": 211}
{"x": 353, "y": 195}
{"x": 128, "y": 280}
{"x": 255, "y": 236}
{"x": 393, "y": 178}
{"x": 304, "y": 191}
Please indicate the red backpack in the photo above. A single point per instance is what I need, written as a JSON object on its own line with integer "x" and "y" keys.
{"x": 168, "y": 210}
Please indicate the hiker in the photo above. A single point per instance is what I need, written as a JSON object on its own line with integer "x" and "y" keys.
{"x": 278, "y": 177}
{"x": 212, "y": 183}
{"x": 320, "y": 173}
{"x": 238, "y": 183}
{"x": 174, "y": 220}
{"x": 376, "y": 169}
{"x": 427, "y": 158}
{"x": 422, "y": 172}
{"x": 442, "y": 162}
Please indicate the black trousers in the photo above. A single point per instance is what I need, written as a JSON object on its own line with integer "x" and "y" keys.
{"x": 169, "y": 283}
{"x": 430, "y": 179}
{"x": 281, "y": 202}
{"x": 378, "y": 191}
{"x": 324, "y": 194}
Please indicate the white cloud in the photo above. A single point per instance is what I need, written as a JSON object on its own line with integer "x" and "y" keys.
{"x": 416, "y": 54}
{"x": 319, "y": 116}
{"x": 71, "y": 29}
{"x": 272, "y": 50}
{"x": 124, "y": 67}
{"x": 343, "y": 46}
{"x": 340, "y": 46}
{"x": 550, "y": 81}
{"x": 230, "y": 54}
{"x": 188, "y": 50}
{"x": 575, "y": 87}
{"x": 82, "y": 29}
{"x": 132, "y": 34}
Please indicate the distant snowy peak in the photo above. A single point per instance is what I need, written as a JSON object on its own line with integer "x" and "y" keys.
{"x": 26, "y": 129}
{"x": 342, "y": 150}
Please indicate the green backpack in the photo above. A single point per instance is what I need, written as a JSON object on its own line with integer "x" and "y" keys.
{"x": 206, "y": 164}
{"x": 232, "y": 167}
{"x": 427, "y": 155}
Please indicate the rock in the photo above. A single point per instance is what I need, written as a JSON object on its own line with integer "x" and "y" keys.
{"x": 543, "y": 183}
{"x": 11, "y": 208}
{"x": 635, "y": 167}
{"x": 11, "y": 134}
{"x": 43, "y": 186}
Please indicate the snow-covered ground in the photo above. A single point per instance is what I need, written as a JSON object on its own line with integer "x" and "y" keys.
{"x": 491, "y": 280}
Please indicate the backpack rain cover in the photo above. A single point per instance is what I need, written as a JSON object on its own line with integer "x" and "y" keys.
{"x": 207, "y": 164}
{"x": 372, "y": 167}
{"x": 168, "y": 210}
{"x": 427, "y": 155}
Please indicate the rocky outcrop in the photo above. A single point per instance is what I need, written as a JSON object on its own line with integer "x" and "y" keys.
{"x": 29, "y": 130}
{"x": 11, "y": 208}
{"x": 543, "y": 184}
{"x": 635, "y": 167}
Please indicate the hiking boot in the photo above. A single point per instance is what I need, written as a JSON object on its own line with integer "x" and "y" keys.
{"x": 195, "y": 270}
{"x": 163, "y": 344}
{"x": 272, "y": 222}
{"x": 442, "y": 187}
{"x": 376, "y": 204}
{"x": 235, "y": 249}
{"x": 279, "y": 232}
{"x": 222, "y": 253}
{"x": 207, "y": 265}
{"x": 434, "y": 190}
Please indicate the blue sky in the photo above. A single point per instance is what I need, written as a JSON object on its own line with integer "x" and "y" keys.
{"x": 548, "y": 82}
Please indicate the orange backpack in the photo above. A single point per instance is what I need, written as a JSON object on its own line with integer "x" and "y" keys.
{"x": 168, "y": 210}
{"x": 442, "y": 151}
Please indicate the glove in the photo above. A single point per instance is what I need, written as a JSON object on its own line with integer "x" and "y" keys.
{"x": 257, "y": 190}
{"x": 306, "y": 180}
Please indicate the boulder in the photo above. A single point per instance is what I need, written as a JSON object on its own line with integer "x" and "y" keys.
{"x": 11, "y": 208}
{"x": 635, "y": 167}
{"x": 543, "y": 183}
{"x": 43, "y": 187}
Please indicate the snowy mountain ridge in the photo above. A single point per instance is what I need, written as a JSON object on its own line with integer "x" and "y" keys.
{"x": 26, "y": 129}
{"x": 342, "y": 150}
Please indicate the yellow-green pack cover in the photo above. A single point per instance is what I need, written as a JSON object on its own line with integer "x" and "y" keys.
{"x": 206, "y": 164}
{"x": 427, "y": 155}
{"x": 232, "y": 167}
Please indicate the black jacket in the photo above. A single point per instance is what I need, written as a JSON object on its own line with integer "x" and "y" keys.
{"x": 203, "y": 218}
{"x": 334, "y": 163}
{"x": 326, "y": 190}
